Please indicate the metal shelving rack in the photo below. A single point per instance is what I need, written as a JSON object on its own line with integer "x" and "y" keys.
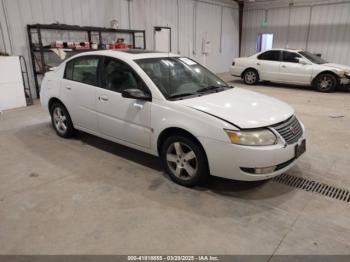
{"x": 39, "y": 64}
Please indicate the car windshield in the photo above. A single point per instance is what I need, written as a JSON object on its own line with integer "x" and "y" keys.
{"x": 313, "y": 58}
{"x": 179, "y": 77}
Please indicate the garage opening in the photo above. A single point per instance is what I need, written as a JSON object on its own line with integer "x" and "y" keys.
{"x": 264, "y": 42}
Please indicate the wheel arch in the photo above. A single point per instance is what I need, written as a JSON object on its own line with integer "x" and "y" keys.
{"x": 325, "y": 72}
{"x": 170, "y": 131}
{"x": 250, "y": 68}
{"x": 54, "y": 100}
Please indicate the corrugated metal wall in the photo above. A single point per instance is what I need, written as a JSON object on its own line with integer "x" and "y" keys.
{"x": 251, "y": 28}
{"x": 319, "y": 27}
{"x": 190, "y": 21}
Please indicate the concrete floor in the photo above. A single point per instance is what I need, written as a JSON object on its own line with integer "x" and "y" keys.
{"x": 91, "y": 196}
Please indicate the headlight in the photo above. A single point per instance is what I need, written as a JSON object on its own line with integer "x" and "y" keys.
{"x": 257, "y": 137}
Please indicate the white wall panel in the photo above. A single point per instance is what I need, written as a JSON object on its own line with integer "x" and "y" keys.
{"x": 251, "y": 28}
{"x": 4, "y": 40}
{"x": 230, "y": 39}
{"x": 298, "y": 27}
{"x": 277, "y": 20}
{"x": 330, "y": 32}
{"x": 208, "y": 23}
{"x": 186, "y": 19}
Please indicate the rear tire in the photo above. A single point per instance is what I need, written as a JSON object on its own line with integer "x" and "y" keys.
{"x": 61, "y": 120}
{"x": 184, "y": 160}
{"x": 251, "y": 77}
{"x": 326, "y": 83}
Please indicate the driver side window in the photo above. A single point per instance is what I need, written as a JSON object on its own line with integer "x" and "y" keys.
{"x": 118, "y": 76}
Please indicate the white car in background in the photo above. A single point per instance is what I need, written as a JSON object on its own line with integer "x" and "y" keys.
{"x": 293, "y": 67}
{"x": 172, "y": 107}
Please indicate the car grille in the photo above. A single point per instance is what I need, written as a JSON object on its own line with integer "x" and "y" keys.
{"x": 290, "y": 130}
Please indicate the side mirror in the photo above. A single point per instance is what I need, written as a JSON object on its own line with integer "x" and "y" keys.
{"x": 303, "y": 61}
{"x": 136, "y": 94}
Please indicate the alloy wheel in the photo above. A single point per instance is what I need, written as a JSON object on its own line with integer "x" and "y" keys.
{"x": 250, "y": 77}
{"x": 181, "y": 160}
{"x": 60, "y": 120}
{"x": 325, "y": 83}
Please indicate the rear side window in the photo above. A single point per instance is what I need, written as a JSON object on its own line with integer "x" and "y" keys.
{"x": 273, "y": 55}
{"x": 290, "y": 57}
{"x": 83, "y": 69}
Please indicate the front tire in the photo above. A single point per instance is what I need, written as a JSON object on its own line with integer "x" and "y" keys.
{"x": 251, "y": 77}
{"x": 184, "y": 160}
{"x": 61, "y": 120}
{"x": 326, "y": 83}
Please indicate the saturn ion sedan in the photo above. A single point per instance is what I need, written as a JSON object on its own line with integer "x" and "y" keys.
{"x": 172, "y": 107}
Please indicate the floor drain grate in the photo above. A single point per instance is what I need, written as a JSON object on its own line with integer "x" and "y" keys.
{"x": 314, "y": 186}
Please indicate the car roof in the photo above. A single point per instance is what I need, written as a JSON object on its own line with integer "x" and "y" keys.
{"x": 285, "y": 49}
{"x": 129, "y": 54}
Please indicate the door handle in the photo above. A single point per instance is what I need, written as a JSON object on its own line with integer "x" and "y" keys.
{"x": 68, "y": 88}
{"x": 103, "y": 98}
{"x": 258, "y": 63}
{"x": 137, "y": 105}
{"x": 283, "y": 66}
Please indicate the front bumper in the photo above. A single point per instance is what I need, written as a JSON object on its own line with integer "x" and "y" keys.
{"x": 345, "y": 80}
{"x": 226, "y": 160}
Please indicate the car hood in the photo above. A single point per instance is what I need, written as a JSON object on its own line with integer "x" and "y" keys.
{"x": 243, "y": 108}
{"x": 339, "y": 67}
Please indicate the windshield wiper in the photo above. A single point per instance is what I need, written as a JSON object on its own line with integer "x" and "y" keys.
{"x": 181, "y": 95}
{"x": 210, "y": 88}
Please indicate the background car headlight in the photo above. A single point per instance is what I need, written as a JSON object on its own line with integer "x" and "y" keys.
{"x": 257, "y": 137}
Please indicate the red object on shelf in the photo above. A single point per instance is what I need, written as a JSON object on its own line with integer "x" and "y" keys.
{"x": 120, "y": 44}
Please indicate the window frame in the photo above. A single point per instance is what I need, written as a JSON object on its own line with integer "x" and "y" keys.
{"x": 279, "y": 59}
{"x": 296, "y": 53}
{"x": 101, "y": 68}
{"x": 98, "y": 80}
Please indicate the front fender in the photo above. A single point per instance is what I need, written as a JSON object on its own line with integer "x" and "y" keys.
{"x": 199, "y": 124}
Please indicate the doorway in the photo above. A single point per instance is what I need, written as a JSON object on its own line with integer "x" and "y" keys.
{"x": 264, "y": 42}
{"x": 162, "y": 39}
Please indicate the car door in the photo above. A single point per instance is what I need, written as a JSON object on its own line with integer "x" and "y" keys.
{"x": 292, "y": 71}
{"x": 78, "y": 89}
{"x": 268, "y": 65}
{"x": 119, "y": 117}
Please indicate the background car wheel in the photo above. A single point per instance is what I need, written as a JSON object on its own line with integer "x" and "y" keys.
{"x": 61, "y": 120}
{"x": 326, "y": 83}
{"x": 251, "y": 77}
{"x": 184, "y": 160}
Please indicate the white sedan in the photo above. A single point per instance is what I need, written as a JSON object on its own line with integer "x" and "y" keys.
{"x": 172, "y": 107}
{"x": 293, "y": 67}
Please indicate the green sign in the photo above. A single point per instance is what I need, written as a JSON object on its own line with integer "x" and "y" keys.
{"x": 264, "y": 24}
